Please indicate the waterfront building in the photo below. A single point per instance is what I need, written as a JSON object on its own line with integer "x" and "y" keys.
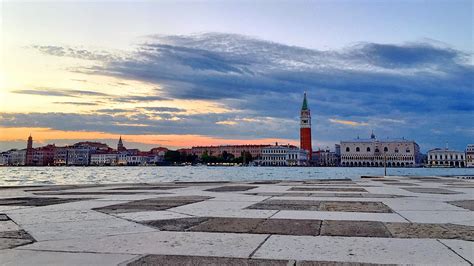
{"x": 78, "y": 156}
{"x": 104, "y": 158}
{"x": 325, "y": 158}
{"x": 377, "y": 152}
{"x": 445, "y": 158}
{"x": 4, "y": 158}
{"x": 43, "y": 156}
{"x": 283, "y": 155}
{"x": 138, "y": 159}
{"x": 305, "y": 128}
{"x": 235, "y": 150}
{"x": 17, "y": 157}
{"x": 470, "y": 155}
{"x": 60, "y": 156}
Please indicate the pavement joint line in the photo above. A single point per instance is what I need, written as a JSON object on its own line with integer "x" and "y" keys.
{"x": 273, "y": 214}
{"x": 183, "y": 213}
{"x": 259, "y": 246}
{"x": 394, "y": 211}
{"x": 75, "y": 252}
{"x": 470, "y": 263}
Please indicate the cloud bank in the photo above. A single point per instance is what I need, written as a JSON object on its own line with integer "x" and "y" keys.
{"x": 422, "y": 91}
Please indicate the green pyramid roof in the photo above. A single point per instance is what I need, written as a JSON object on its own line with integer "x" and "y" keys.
{"x": 305, "y": 103}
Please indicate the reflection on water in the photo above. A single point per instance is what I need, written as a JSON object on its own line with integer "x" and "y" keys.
{"x": 83, "y": 175}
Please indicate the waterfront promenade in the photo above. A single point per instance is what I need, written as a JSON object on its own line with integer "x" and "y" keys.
{"x": 391, "y": 220}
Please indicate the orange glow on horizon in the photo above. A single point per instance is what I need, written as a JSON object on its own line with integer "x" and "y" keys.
{"x": 180, "y": 141}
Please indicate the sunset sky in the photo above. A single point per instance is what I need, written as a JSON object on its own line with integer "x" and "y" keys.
{"x": 184, "y": 73}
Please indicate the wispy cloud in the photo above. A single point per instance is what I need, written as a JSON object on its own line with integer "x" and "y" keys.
{"x": 348, "y": 122}
{"x": 60, "y": 92}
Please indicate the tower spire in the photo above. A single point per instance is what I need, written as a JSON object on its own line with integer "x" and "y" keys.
{"x": 305, "y": 103}
{"x": 305, "y": 128}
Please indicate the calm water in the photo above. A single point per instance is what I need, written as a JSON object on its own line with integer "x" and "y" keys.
{"x": 87, "y": 175}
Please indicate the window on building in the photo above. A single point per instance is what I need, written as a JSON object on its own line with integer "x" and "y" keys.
{"x": 357, "y": 149}
{"x": 396, "y": 150}
{"x": 368, "y": 149}
{"x": 347, "y": 149}
{"x": 377, "y": 150}
{"x": 385, "y": 149}
{"x": 408, "y": 150}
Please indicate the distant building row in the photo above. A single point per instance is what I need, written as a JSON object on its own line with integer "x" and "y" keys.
{"x": 81, "y": 154}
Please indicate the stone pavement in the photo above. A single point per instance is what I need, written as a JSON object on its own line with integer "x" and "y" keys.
{"x": 391, "y": 220}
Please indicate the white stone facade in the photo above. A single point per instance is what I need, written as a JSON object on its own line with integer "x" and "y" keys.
{"x": 17, "y": 157}
{"x": 376, "y": 153}
{"x": 104, "y": 159}
{"x": 446, "y": 158}
{"x": 283, "y": 156}
{"x": 470, "y": 155}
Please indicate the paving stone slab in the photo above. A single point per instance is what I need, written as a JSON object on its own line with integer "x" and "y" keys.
{"x": 336, "y": 263}
{"x": 151, "y": 215}
{"x": 465, "y": 204}
{"x": 45, "y": 258}
{"x": 342, "y": 195}
{"x": 463, "y": 232}
{"x": 62, "y": 187}
{"x": 8, "y": 226}
{"x": 430, "y": 190}
{"x": 265, "y": 182}
{"x": 37, "y": 201}
{"x": 204, "y": 261}
{"x": 84, "y": 229}
{"x": 341, "y": 189}
{"x": 422, "y": 230}
{"x": 288, "y": 227}
{"x": 231, "y": 188}
{"x": 202, "y": 183}
{"x": 456, "y": 217}
{"x": 355, "y": 206}
{"x": 181, "y": 224}
{"x": 358, "y": 249}
{"x": 19, "y": 234}
{"x": 92, "y": 193}
{"x": 354, "y": 229}
{"x": 155, "y": 204}
{"x": 286, "y": 205}
{"x": 465, "y": 249}
{"x": 311, "y": 205}
{"x": 147, "y": 188}
{"x": 424, "y": 178}
{"x": 6, "y": 243}
{"x": 400, "y": 184}
{"x": 228, "y": 225}
{"x": 3, "y": 217}
{"x": 325, "y": 181}
{"x": 162, "y": 242}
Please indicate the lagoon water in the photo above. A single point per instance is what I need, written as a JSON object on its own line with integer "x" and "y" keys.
{"x": 103, "y": 175}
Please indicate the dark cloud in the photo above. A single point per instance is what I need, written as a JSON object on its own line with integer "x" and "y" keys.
{"x": 163, "y": 109}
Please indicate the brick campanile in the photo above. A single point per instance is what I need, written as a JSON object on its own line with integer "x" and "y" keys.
{"x": 305, "y": 128}
{"x": 29, "y": 151}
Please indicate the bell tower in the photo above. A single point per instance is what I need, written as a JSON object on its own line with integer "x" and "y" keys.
{"x": 305, "y": 128}
{"x": 29, "y": 151}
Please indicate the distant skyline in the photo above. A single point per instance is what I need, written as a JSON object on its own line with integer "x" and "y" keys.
{"x": 180, "y": 73}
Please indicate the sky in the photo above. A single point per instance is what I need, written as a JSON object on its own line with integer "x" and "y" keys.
{"x": 185, "y": 73}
